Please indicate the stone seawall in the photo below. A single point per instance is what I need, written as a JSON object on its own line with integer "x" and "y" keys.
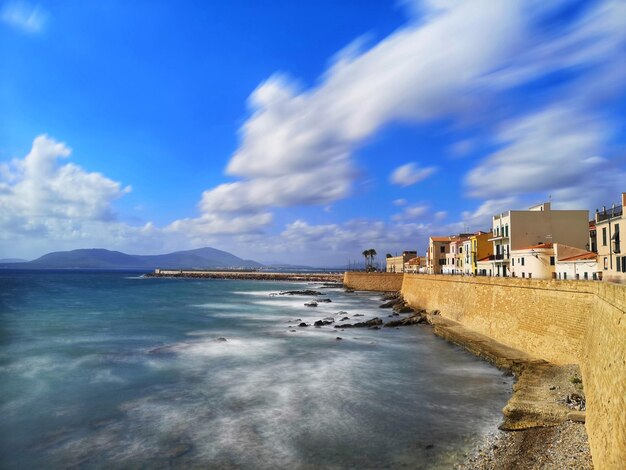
{"x": 384, "y": 282}
{"x": 564, "y": 322}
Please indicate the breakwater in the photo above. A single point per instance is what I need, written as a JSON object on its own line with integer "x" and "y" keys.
{"x": 563, "y": 322}
{"x": 248, "y": 275}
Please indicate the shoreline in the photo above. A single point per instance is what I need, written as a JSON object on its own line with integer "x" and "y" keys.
{"x": 543, "y": 425}
{"x": 543, "y": 421}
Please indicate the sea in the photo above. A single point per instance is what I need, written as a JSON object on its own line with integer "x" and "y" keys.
{"x": 116, "y": 370}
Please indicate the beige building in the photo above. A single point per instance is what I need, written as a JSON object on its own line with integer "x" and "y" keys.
{"x": 540, "y": 224}
{"x": 438, "y": 248}
{"x": 443, "y": 252}
{"x": 611, "y": 258}
{"x": 395, "y": 264}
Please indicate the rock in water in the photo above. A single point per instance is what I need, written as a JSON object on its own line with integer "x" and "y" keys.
{"x": 302, "y": 324}
{"x": 312, "y": 303}
{"x": 221, "y": 340}
{"x": 301, "y": 292}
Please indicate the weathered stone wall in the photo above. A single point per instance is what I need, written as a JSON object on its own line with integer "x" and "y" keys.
{"x": 603, "y": 367}
{"x": 562, "y": 322}
{"x": 373, "y": 281}
{"x": 546, "y": 319}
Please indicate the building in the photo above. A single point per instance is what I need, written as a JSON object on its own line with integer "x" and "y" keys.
{"x": 480, "y": 248}
{"x": 395, "y": 264}
{"x": 540, "y": 224}
{"x": 442, "y": 254}
{"x": 554, "y": 261}
{"x": 611, "y": 259}
{"x": 535, "y": 261}
{"x": 438, "y": 248}
{"x": 575, "y": 264}
{"x": 467, "y": 261}
{"x": 416, "y": 265}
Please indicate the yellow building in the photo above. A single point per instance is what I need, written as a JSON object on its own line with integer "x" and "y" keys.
{"x": 480, "y": 248}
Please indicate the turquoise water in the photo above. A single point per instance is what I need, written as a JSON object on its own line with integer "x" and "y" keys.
{"x": 109, "y": 370}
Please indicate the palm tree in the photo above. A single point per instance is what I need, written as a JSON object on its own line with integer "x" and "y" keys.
{"x": 366, "y": 255}
{"x": 372, "y": 255}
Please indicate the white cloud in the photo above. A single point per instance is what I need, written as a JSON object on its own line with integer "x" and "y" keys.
{"x": 24, "y": 16}
{"x": 411, "y": 213}
{"x": 297, "y": 146}
{"x": 409, "y": 174}
{"x": 481, "y": 218}
{"x": 557, "y": 148}
{"x": 462, "y": 148}
{"x": 37, "y": 192}
{"x": 399, "y": 202}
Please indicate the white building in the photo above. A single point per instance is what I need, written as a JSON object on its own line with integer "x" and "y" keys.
{"x": 518, "y": 230}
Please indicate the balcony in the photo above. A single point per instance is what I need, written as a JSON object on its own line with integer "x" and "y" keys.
{"x": 609, "y": 214}
{"x": 502, "y": 257}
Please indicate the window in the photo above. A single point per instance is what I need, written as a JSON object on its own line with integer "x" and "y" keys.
{"x": 551, "y": 260}
{"x": 564, "y": 275}
{"x": 606, "y": 263}
{"x": 442, "y": 249}
{"x": 523, "y": 261}
{"x": 442, "y": 262}
{"x": 586, "y": 276}
{"x": 513, "y": 262}
{"x": 624, "y": 264}
{"x": 523, "y": 274}
{"x": 530, "y": 275}
{"x": 603, "y": 236}
{"x": 506, "y": 230}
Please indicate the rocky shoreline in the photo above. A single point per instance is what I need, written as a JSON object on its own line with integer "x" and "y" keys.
{"x": 543, "y": 425}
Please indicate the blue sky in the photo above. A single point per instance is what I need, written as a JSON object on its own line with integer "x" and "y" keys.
{"x": 301, "y": 132}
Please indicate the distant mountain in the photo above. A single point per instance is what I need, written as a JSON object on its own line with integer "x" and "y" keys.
{"x": 201, "y": 258}
{"x": 12, "y": 260}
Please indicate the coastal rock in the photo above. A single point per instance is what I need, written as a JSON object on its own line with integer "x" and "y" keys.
{"x": 391, "y": 296}
{"x": 302, "y": 324}
{"x": 358, "y": 315}
{"x": 414, "y": 319}
{"x": 324, "y": 300}
{"x": 341, "y": 312}
{"x": 402, "y": 308}
{"x": 344, "y": 319}
{"x": 374, "y": 322}
{"x": 349, "y": 291}
{"x": 329, "y": 319}
{"x": 312, "y": 303}
{"x": 391, "y": 303}
{"x": 319, "y": 323}
{"x": 300, "y": 292}
{"x": 339, "y": 338}
{"x": 221, "y": 340}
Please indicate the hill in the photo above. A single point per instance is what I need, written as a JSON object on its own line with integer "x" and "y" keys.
{"x": 201, "y": 258}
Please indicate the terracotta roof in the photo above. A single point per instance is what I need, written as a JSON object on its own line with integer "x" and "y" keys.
{"x": 441, "y": 239}
{"x": 486, "y": 258}
{"x": 582, "y": 256}
{"x": 413, "y": 261}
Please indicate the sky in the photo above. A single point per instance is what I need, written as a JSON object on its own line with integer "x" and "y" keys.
{"x": 301, "y": 132}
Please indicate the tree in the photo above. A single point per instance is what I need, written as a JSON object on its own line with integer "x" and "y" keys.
{"x": 388, "y": 255}
{"x": 366, "y": 255}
